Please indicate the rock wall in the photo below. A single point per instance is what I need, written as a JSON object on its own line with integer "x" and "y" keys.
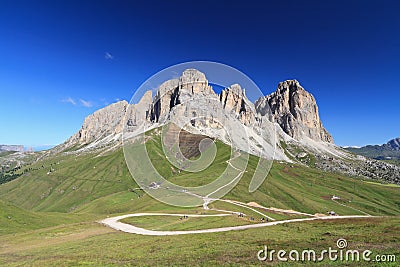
{"x": 293, "y": 108}
{"x": 111, "y": 120}
{"x": 296, "y": 111}
{"x": 234, "y": 99}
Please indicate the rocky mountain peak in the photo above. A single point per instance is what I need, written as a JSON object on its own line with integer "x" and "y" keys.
{"x": 234, "y": 99}
{"x": 192, "y": 76}
{"x": 191, "y": 84}
{"x": 292, "y": 107}
{"x": 101, "y": 123}
{"x": 296, "y": 111}
{"x": 237, "y": 89}
{"x": 193, "y": 81}
{"x": 289, "y": 86}
{"x": 394, "y": 144}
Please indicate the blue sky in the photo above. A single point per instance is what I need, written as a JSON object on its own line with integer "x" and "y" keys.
{"x": 62, "y": 60}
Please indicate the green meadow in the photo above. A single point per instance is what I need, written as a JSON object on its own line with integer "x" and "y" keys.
{"x": 48, "y": 216}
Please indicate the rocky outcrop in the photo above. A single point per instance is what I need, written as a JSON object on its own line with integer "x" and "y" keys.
{"x": 363, "y": 167}
{"x": 190, "y": 100}
{"x": 193, "y": 82}
{"x": 102, "y": 123}
{"x": 296, "y": 111}
{"x": 166, "y": 98}
{"x": 234, "y": 99}
{"x": 111, "y": 120}
{"x": 173, "y": 92}
{"x": 138, "y": 113}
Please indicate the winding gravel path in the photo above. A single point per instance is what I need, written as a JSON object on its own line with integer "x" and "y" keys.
{"x": 114, "y": 223}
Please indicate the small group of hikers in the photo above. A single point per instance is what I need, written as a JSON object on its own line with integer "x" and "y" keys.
{"x": 241, "y": 215}
{"x": 184, "y": 217}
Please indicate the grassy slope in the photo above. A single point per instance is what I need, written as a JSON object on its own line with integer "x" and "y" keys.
{"x": 309, "y": 190}
{"x": 292, "y": 186}
{"x": 17, "y": 220}
{"x": 188, "y": 178}
{"x": 101, "y": 186}
{"x": 74, "y": 182}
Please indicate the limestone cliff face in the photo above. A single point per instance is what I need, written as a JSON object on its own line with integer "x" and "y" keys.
{"x": 190, "y": 98}
{"x": 173, "y": 92}
{"x": 193, "y": 81}
{"x": 111, "y": 120}
{"x": 234, "y": 99}
{"x": 193, "y": 86}
{"x": 296, "y": 111}
{"x": 102, "y": 123}
{"x": 166, "y": 98}
{"x": 137, "y": 114}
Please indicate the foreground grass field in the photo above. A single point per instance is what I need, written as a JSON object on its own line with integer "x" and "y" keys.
{"x": 91, "y": 244}
{"x": 102, "y": 185}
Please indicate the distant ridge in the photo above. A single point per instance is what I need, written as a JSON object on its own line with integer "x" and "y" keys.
{"x": 390, "y": 150}
{"x": 17, "y": 148}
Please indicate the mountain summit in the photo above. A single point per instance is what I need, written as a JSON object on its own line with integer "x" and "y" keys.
{"x": 296, "y": 111}
{"x": 290, "y": 108}
{"x": 394, "y": 144}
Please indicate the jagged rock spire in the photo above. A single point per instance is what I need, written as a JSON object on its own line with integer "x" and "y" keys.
{"x": 296, "y": 111}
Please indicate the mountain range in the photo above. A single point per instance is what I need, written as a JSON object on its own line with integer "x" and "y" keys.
{"x": 284, "y": 125}
{"x": 291, "y": 110}
{"x": 390, "y": 150}
{"x": 16, "y": 148}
